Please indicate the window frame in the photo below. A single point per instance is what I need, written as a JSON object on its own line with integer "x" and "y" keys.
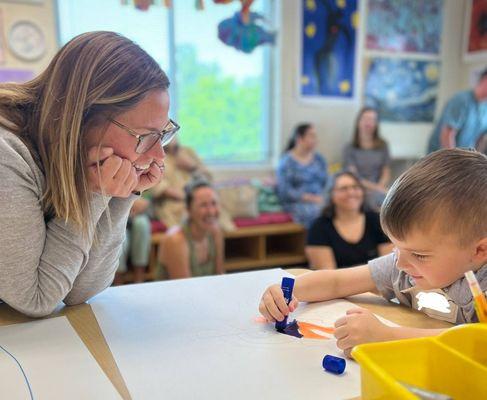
{"x": 268, "y": 79}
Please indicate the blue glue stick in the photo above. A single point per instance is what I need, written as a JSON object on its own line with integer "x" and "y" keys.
{"x": 287, "y": 286}
{"x": 334, "y": 364}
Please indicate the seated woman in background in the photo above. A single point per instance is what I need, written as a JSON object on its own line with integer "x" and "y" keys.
{"x": 137, "y": 242}
{"x": 182, "y": 165}
{"x": 301, "y": 176}
{"x": 368, "y": 156}
{"x": 196, "y": 247}
{"x": 345, "y": 235}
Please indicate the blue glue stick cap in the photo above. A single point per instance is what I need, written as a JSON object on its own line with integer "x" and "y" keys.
{"x": 334, "y": 364}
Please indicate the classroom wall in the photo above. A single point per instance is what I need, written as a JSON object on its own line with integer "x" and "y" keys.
{"x": 42, "y": 15}
{"x": 335, "y": 120}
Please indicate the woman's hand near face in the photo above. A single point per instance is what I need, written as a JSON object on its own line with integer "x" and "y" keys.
{"x": 151, "y": 178}
{"x": 110, "y": 174}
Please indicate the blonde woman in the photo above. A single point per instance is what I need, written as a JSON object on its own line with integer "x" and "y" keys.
{"x": 78, "y": 144}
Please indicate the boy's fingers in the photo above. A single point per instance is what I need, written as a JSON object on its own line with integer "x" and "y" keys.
{"x": 279, "y": 300}
{"x": 340, "y": 322}
{"x": 355, "y": 311}
{"x": 263, "y": 310}
{"x": 293, "y": 304}
{"x": 348, "y": 352}
{"x": 345, "y": 343}
{"x": 272, "y": 308}
{"x": 341, "y": 332}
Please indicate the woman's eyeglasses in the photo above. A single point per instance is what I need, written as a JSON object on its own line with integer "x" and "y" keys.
{"x": 146, "y": 141}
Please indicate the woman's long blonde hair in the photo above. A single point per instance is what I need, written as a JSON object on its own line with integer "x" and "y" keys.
{"x": 96, "y": 74}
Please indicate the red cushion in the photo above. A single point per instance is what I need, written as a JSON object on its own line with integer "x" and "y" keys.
{"x": 157, "y": 226}
{"x": 264, "y": 219}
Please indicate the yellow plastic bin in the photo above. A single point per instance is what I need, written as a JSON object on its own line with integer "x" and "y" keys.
{"x": 453, "y": 363}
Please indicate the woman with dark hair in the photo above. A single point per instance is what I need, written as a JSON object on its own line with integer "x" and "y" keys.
{"x": 79, "y": 143}
{"x": 368, "y": 156}
{"x": 301, "y": 176}
{"x": 346, "y": 234}
{"x": 196, "y": 247}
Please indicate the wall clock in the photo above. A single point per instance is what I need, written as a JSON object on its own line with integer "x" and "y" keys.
{"x": 27, "y": 41}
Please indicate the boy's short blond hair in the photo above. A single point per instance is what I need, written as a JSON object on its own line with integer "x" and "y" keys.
{"x": 448, "y": 187}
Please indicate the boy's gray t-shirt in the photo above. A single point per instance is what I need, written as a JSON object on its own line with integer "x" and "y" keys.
{"x": 453, "y": 303}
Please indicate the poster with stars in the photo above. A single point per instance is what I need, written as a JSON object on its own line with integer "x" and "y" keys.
{"x": 328, "y": 43}
{"x": 402, "y": 90}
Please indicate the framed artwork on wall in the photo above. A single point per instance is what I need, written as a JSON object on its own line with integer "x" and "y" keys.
{"x": 402, "y": 90}
{"x": 475, "y": 34}
{"x": 328, "y": 39}
{"x": 407, "y": 26}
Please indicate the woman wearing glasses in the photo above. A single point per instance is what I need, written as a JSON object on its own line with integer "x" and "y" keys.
{"x": 79, "y": 143}
{"x": 345, "y": 234}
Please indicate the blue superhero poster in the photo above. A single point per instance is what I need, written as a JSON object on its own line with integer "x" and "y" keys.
{"x": 329, "y": 35}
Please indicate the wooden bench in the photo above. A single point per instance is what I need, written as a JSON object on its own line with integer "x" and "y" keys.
{"x": 262, "y": 246}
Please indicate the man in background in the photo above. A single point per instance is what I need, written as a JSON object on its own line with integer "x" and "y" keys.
{"x": 463, "y": 120}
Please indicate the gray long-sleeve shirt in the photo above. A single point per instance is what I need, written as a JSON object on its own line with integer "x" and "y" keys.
{"x": 42, "y": 264}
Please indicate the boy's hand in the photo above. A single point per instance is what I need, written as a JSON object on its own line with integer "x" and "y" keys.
{"x": 359, "y": 326}
{"x": 273, "y": 305}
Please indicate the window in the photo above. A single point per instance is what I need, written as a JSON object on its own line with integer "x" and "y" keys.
{"x": 220, "y": 96}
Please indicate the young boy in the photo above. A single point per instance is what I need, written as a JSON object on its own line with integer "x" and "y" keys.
{"x": 436, "y": 216}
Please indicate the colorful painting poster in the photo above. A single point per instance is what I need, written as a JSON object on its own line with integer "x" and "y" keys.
{"x": 405, "y": 25}
{"x": 15, "y": 75}
{"x": 329, "y": 35}
{"x": 477, "y": 26}
{"x": 402, "y": 90}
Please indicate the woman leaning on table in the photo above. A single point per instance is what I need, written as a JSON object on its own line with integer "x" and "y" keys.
{"x": 78, "y": 144}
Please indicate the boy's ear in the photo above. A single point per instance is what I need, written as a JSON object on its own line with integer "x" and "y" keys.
{"x": 480, "y": 255}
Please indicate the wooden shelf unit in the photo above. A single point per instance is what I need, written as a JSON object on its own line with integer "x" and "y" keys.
{"x": 265, "y": 246}
{"x": 253, "y": 247}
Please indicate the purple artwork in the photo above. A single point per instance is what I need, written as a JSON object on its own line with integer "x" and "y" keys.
{"x": 15, "y": 75}
{"x": 292, "y": 329}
